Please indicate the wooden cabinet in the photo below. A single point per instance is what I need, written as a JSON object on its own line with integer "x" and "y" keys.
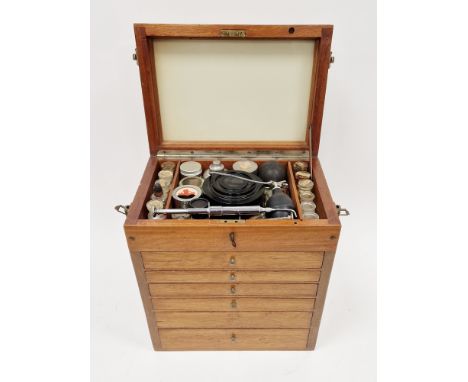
{"x": 236, "y": 284}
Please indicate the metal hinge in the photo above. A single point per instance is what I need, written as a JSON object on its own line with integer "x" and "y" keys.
{"x": 234, "y": 155}
{"x": 135, "y": 57}
{"x": 332, "y": 59}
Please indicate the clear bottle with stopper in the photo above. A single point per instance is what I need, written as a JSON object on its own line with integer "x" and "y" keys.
{"x": 216, "y": 165}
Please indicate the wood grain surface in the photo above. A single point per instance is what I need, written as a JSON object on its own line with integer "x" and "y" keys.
{"x": 166, "y": 319}
{"x": 237, "y": 339}
{"x": 199, "y": 289}
{"x": 229, "y": 276}
{"x": 238, "y": 304}
{"x": 232, "y": 261}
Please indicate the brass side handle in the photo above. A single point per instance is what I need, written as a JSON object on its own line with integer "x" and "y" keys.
{"x": 233, "y": 337}
{"x": 233, "y": 289}
{"x": 232, "y": 276}
{"x": 123, "y": 209}
{"x": 233, "y": 304}
{"x": 232, "y": 260}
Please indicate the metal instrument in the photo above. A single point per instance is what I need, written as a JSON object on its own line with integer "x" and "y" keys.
{"x": 224, "y": 210}
{"x": 271, "y": 183}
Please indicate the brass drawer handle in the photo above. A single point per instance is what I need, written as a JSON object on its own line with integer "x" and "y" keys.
{"x": 232, "y": 260}
{"x": 232, "y": 277}
{"x": 233, "y": 337}
{"x": 233, "y": 290}
{"x": 232, "y": 237}
{"x": 233, "y": 304}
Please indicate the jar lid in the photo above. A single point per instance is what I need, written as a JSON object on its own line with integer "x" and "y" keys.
{"x": 300, "y": 166}
{"x": 302, "y": 175}
{"x": 154, "y": 204}
{"x": 305, "y": 184}
{"x": 170, "y": 166}
{"x": 245, "y": 165}
{"x": 306, "y": 196}
{"x": 190, "y": 168}
{"x": 165, "y": 174}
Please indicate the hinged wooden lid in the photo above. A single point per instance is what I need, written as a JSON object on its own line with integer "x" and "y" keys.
{"x": 233, "y": 87}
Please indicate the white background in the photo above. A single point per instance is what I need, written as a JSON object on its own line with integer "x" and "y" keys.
{"x": 121, "y": 347}
{"x": 422, "y": 188}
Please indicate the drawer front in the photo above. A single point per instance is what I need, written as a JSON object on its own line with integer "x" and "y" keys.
{"x": 241, "y": 304}
{"x": 210, "y": 320}
{"x": 238, "y": 339}
{"x": 232, "y": 260}
{"x": 202, "y": 290}
{"x": 229, "y": 276}
{"x": 200, "y": 236}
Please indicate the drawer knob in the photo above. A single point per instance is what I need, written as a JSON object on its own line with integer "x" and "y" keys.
{"x": 232, "y": 260}
{"x": 233, "y": 290}
{"x": 233, "y": 337}
{"x": 232, "y": 277}
{"x": 233, "y": 304}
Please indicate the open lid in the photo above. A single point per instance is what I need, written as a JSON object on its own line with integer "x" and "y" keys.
{"x": 233, "y": 87}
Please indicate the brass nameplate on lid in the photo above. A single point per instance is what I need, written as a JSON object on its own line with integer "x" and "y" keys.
{"x": 233, "y": 33}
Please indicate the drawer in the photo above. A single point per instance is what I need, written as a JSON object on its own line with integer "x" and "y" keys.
{"x": 208, "y": 235}
{"x": 206, "y": 290}
{"x": 238, "y": 339}
{"x": 229, "y": 276}
{"x": 228, "y": 304}
{"x": 202, "y": 320}
{"x": 232, "y": 260}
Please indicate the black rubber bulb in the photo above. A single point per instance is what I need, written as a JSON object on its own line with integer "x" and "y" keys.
{"x": 279, "y": 200}
{"x": 272, "y": 170}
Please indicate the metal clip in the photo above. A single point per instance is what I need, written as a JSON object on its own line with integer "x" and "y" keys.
{"x": 341, "y": 211}
{"x": 332, "y": 59}
{"x": 135, "y": 57}
{"x": 122, "y": 209}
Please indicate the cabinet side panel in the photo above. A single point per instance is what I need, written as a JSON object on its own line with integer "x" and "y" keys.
{"x": 320, "y": 299}
{"x": 146, "y": 298}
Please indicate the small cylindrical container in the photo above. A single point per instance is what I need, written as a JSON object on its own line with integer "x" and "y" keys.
{"x": 302, "y": 175}
{"x": 300, "y": 166}
{"x": 199, "y": 203}
{"x": 190, "y": 168}
{"x": 245, "y": 165}
{"x": 169, "y": 166}
{"x": 306, "y": 196}
{"x": 305, "y": 185}
{"x": 182, "y": 195}
{"x": 191, "y": 181}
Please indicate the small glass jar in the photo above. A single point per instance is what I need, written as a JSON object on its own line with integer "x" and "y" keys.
{"x": 169, "y": 166}
{"x": 190, "y": 168}
{"x": 245, "y": 165}
{"x": 165, "y": 175}
{"x": 152, "y": 205}
{"x": 300, "y": 166}
{"x": 216, "y": 165}
{"x": 310, "y": 216}
{"x": 302, "y": 175}
{"x": 191, "y": 181}
{"x": 308, "y": 206}
{"x": 305, "y": 185}
{"x": 306, "y": 196}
